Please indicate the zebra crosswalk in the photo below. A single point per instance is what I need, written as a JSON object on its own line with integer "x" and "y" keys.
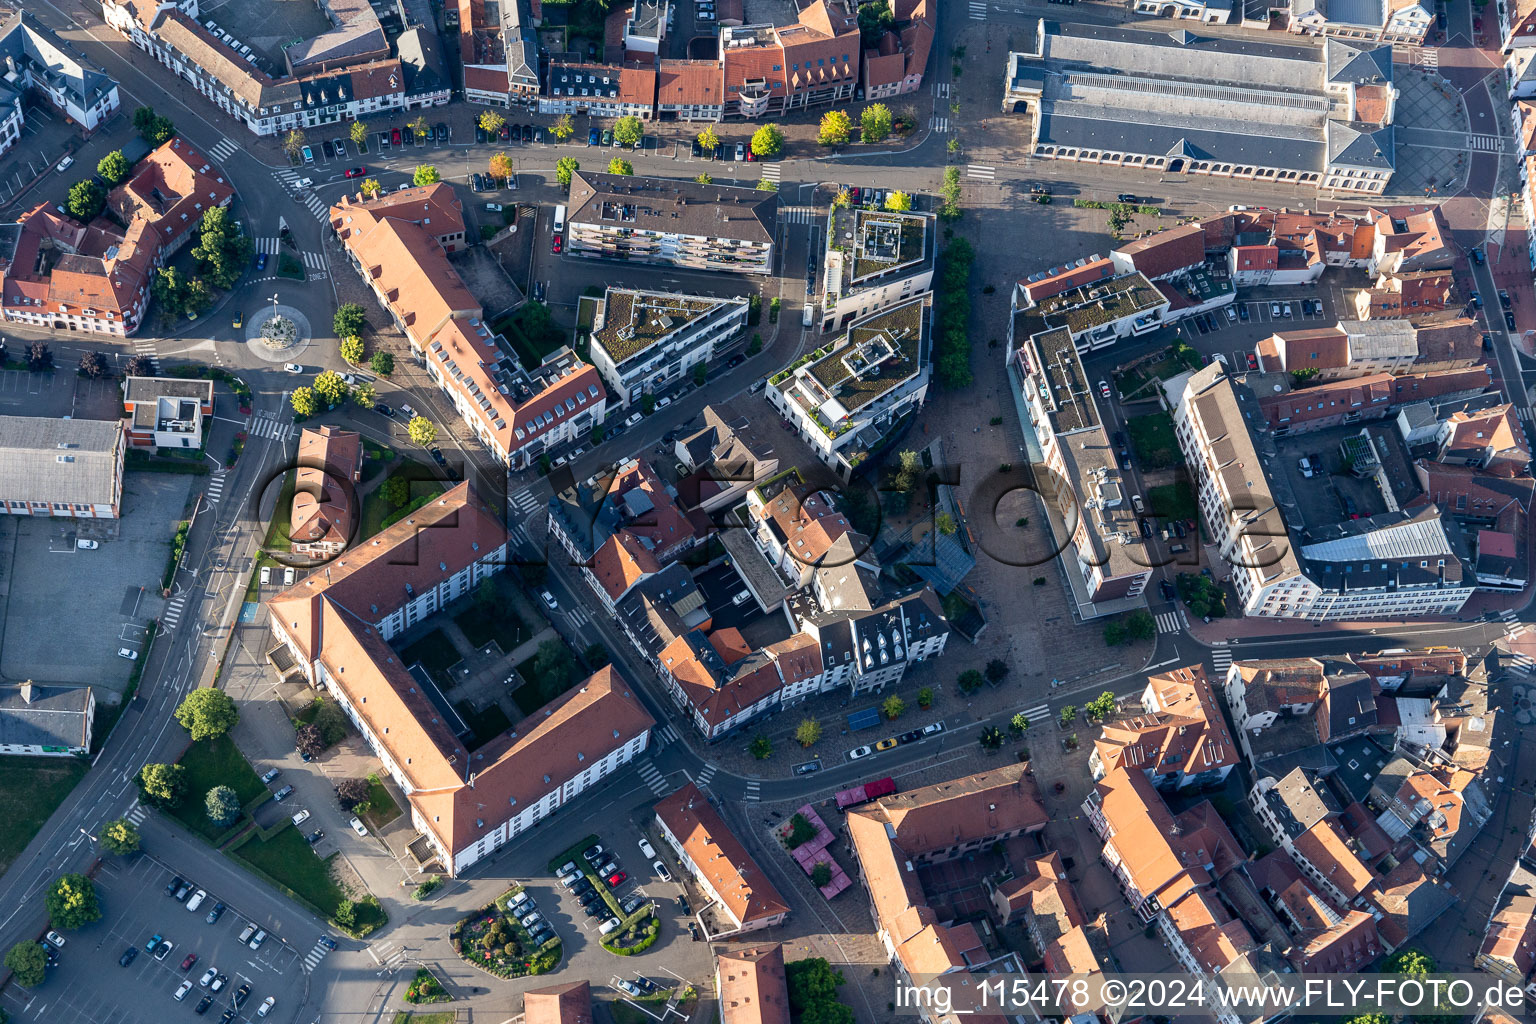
{"x": 705, "y": 775}
{"x": 940, "y": 124}
{"x": 1037, "y": 714}
{"x": 772, "y": 172}
{"x": 577, "y": 616}
{"x": 653, "y": 778}
{"x": 223, "y": 149}
{"x": 264, "y": 424}
{"x": 664, "y": 734}
{"x": 172, "y": 614}
{"x": 317, "y": 206}
{"x": 388, "y": 956}
{"x": 315, "y": 263}
{"x": 525, "y": 502}
{"x": 216, "y": 487}
{"x": 981, "y": 171}
{"x": 1521, "y": 663}
{"x": 754, "y": 790}
{"x": 144, "y": 347}
{"x": 136, "y": 813}
{"x": 1170, "y": 622}
{"x": 314, "y": 956}
{"x": 1485, "y": 143}
{"x": 978, "y": 10}
{"x": 267, "y": 245}
{"x": 941, "y": 90}
{"x": 1221, "y": 659}
{"x": 797, "y": 215}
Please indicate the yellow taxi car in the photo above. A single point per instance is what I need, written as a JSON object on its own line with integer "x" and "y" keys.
{"x": 239, "y": 319}
{"x": 886, "y": 744}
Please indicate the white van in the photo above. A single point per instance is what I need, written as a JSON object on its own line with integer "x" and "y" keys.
{"x": 805, "y": 317}
{"x": 559, "y": 219}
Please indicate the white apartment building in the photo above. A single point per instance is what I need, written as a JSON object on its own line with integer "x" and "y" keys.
{"x": 847, "y": 398}
{"x": 874, "y": 259}
{"x": 645, "y": 341}
{"x": 742, "y": 898}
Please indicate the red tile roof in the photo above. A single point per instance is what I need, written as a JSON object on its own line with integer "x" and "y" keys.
{"x": 689, "y": 83}
{"x": 1064, "y": 279}
{"x": 753, "y": 989}
{"x": 330, "y": 461}
{"x": 719, "y": 857}
{"x": 1167, "y": 252}
{"x": 570, "y": 1003}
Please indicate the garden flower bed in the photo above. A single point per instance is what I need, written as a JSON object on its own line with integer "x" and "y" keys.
{"x": 424, "y": 988}
{"x": 492, "y": 940}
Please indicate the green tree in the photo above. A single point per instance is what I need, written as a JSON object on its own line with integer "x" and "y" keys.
{"x": 120, "y": 837}
{"x": 163, "y": 785}
{"x": 358, "y": 132}
{"x": 761, "y": 747}
{"x": 1068, "y": 715}
{"x": 382, "y": 363}
{"x": 875, "y": 19}
{"x": 352, "y": 349}
{"x": 898, "y": 201}
{"x": 970, "y": 680}
{"x": 700, "y": 374}
{"x": 72, "y": 902}
{"x": 1370, "y": 1018}
{"x": 113, "y": 167}
{"x": 28, "y": 963}
{"x": 364, "y": 396}
{"x": 618, "y": 165}
{"x": 1305, "y": 375}
{"x": 396, "y": 491}
{"x": 1102, "y": 706}
{"x": 308, "y": 740}
{"x": 304, "y": 401}
{"x": 755, "y": 345}
{"x": 767, "y": 185}
{"x": 370, "y": 188}
{"x": 352, "y": 791}
{"x": 1410, "y": 961}
{"x": 808, "y": 732}
{"x": 991, "y": 738}
{"x": 564, "y": 168}
{"x": 349, "y": 319}
{"x": 421, "y": 431}
{"x": 821, "y": 874}
{"x": 207, "y": 712}
{"x": 628, "y": 131}
{"x": 997, "y": 670}
{"x": 945, "y": 524}
{"x": 153, "y": 128}
{"x": 222, "y": 805}
{"x": 198, "y": 296}
{"x": 704, "y": 178}
{"x": 293, "y": 143}
{"x": 553, "y": 667}
{"x": 562, "y": 129}
{"x": 894, "y": 707}
{"x": 596, "y": 655}
{"x": 925, "y": 697}
{"x": 1019, "y": 723}
{"x": 330, "y": 387}
{"x": 1115, "y": 633}
{"x": 836, "y": 128}
{"x": 86, "y": 199}
{"x": 332, "y": 722}
{"x": 492, "y": 123}
{"x": 909, "y": 469}
{"x": 223, "y": 251}
{"x": 876, "y": 120}
{"x": 708, "y": 140}
{"x": 426, "y": 174}
{"x": 768, "y": 141}
{"x": 420, "y": 128}
{"x": 1140, "y": 625}
{"x": 810, "y": 981}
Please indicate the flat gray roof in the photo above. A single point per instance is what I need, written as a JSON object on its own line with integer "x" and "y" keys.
{"x": 73, "y": 462}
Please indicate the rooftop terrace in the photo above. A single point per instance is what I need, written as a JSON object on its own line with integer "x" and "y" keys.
{"x": 881, "y": 352}
{"x": 634, "y": 321}
{"x": 1088, "y": 306}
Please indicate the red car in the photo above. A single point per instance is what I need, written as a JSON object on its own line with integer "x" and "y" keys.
{"x": 357, "y": 172}
{"x": 1253, "y": 362}
{"x": 556, "y": 245}
{"x": 751, "y": 156}
{"x": 617, "y": 879}
{"x": 394, "y": 136}
{"x": 191, "y": 959}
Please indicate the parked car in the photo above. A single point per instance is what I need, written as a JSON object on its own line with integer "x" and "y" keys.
{"x": 129, "y": 955}
{"x": 202, "y": 1005}
{"x": 1104, "y": 389}
{"x": 1168, "y": 591}
{"x": 315, "y": 836}
{"x": 933, "y": 728}
{"x": 208, "y": 977}
{"x": 293, "y": 368}
{"x": 910, "y": 737}
{"x": 1242, "y": 312}
{"x": 358, "y": 826}
{"x": 266, "y": 1006}
{"x": 271, "y": 774}
{"x": 549, "y": 600}
{"x": 308, "y": 154}
{"x": 186, "y": 964}
{"x": 646, "y": 847}
{"x": 617, "y": 879}
{"x": 889, "y": 743}
{"x": 356, "y": 172}
{"x": 219, "y": 983}
{"x": 741, "y": 151}
{"x": 242, "y": 994}
{"x": 1509, "y": 320}
{"x": 556, "y": 244}
{"x": 1504, "y": 299}
{"x": 330, "y": 150}
{"x": 164, "y": 949}
{"x": 682, "y": 905}
{"x": 858, "y": 752}
{"x": 1126, "y": 197}
{"x": 593, "y": 852}
{"x": 55, "y": 939}
{"x": 283, "y": 794}
{"x": 610, "y": 868}
{"x": 607, "y": 136}
{"x": 384, "y": 139}
{"x": 394, "y": 136}
{"x": 196, "y": 900}
{"x": 258, "y": 938}
{"x": 630, "y": 987}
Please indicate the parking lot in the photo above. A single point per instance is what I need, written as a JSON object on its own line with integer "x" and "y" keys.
{"x": 91, "y": 986}
{"x": 113, "y": 591}
{"x": 60, "y": 393}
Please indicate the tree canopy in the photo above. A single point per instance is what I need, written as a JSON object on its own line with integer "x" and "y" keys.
{"x": 628, "y": 131}
{"x": 330, "y": 387}
{"x": 222, "y": 805}
{"x": 836, "y": 128}
{"x": 876, "y": 120}
{"x": 304, "y": 401}
{"x": 113, "y": 167}
{"x": 28, "y": 963}
{"x": 768, "y": 140}
{"x": 86, "y": 200}
{"x": 421, "y": 430}
{"x": 382, "y": 363}
{"x": 119, "y": 836}
{"x": 153, "y": 128}
{"x": 207, "y": 712}
{"x": 163, "y": 784}
{"x": 564, "y": 168}
{"x": 426, "y": 174}
{"x": 349, "y": 318}
{"x": 619, "y": 165}
{"x": 72, "y": 902}
{"x": 223, "y": 250}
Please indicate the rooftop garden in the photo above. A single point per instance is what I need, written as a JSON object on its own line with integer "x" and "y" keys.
{"x": 631, "y": 327}
{"x": 881, "y": 352}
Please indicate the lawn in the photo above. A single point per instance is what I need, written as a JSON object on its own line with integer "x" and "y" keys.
{"x": 434, "y": 651}
{"x": 277, "y": 532}
{"x": 382, "y": 808}
{"x": 487, "y": 724}
{"x": 1152, "y": 437}
{"x": 1173, "y": 501}
{"x": 287, "y": 859}
{"x": 212, "y": 763}
{"x": 483, "y": 622}
{"x": 34, "y": 788}
{"x": 407, "y": 1017}
{"x": 379, "y": 513}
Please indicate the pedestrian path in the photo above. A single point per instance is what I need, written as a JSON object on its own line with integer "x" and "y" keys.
{"x": 941, "y": 90}
{"x": 1170, "y": 622}
{"x": 664, "y": 734}
{"x": 940, "y": 124}
{"x": 223, "y": 149}
{"x": 136, "y": 813}
{"x": 314, "y": 956}
{"x": 1037, "y": 714}
{"x": 1221, "y": 658}
{"x": 216, "y": 487}
{"x": 267, "y": 245}
{"x": 978, "y": 10}
{"x": 265, "y": 424}
{"x": 577, "y": 616}
{"x": 1521, "y": 663}
{"x": 705, "y": 775}
{"x": 144, "y": 347}
{"x": 772, "y": 172}
{"x": 1428, "y": 57}
{"x": 388, "y": 956}
{"x": 1486, "y": 143}
{"x": 317, "y": 206}
{"x": 525, "y": 502}
{"x": 315, "y": 263}
{"x": 172, "y": 614}
{"x": 981, "y": 171}
{"x": 652, "y": 778}
{"x": 797, "y": 214}
{"x": 754, "y": 790}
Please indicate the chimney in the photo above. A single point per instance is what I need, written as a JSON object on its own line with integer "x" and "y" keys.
{"x": 26, "y": 691}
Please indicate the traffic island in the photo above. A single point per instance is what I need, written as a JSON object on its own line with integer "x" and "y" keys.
{"x": 493, "y": 940}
